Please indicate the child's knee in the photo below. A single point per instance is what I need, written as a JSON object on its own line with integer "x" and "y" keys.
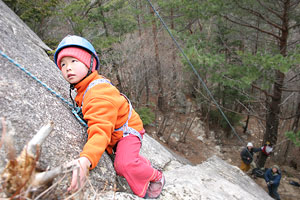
{"x": 124, "y": 166}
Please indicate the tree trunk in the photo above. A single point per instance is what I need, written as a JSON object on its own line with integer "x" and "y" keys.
{"x": 147, "y": 88}
{"x": 186, "y": 130}
{"x": 174, "y": 76}
{"x": 141, "y": 22}
{"x": 163, "y": 126}
{"x": 103, "y": 20}
{"x": 138, "y": 17}
{"x": 245, "y": 128}
{"x": 115, "y": 69}
{"x": 160, "y": 97}
{"x": 272, "y": 118}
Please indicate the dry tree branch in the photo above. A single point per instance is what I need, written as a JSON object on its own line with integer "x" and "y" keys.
{"x": 115, "y": 190}
{"x": 251, "y": 26}
{"x": 77, "y": 192}
{"x": 39, "y": 138}
{"x": 19, "y": 172}
{"x": 293, "y": 77}
{"x": 255, "y": 13}
{"x": 89, "y": 181}
{"x": 262, "y": 90}
{"x": 270, "y": 10}
{"x": 30, "y": 163}
{"x": 63, "y": 169}
{"x": 78, "y": 166}
{"x": 206, "y": 99}
{"x": 283, "y": 102}
{"x": 290, "y": 90}
{"x": 51, "y": 187}
{"x": 30, "y": 179}
{"x": 294, "y": 26}
{"x": 105, "y": 185}
{"x": 11, "y": 151}
{"x": 78, "y": 176}
{"x": 294, "y": 5}
{"x": 290, "y": 117}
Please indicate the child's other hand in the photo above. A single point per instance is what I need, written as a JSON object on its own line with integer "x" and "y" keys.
{"x": 84, "y": 165}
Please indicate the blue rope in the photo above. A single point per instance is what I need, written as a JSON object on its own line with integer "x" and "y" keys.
{"x": 74, "y": 111}
{"x": 195, "y": 71}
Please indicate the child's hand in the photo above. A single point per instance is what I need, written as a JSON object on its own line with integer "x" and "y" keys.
{"x": 84, "y": 165}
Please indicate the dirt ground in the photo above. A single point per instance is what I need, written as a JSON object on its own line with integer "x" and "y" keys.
{"x": 202, "y": 143}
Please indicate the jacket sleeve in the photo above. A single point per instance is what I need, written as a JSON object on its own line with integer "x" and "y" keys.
{"x": 101, "y": 115}
{"x": 245, "y": 155}
{"x": 267, "y": 173}
{"x": 257, "y": 149}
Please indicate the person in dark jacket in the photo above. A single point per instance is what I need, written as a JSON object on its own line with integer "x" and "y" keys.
{"x": 247, "y": 156}
{"x": 272, "y": 178}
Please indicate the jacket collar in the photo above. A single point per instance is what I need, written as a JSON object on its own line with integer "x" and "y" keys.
{"x": 82, "y": 86}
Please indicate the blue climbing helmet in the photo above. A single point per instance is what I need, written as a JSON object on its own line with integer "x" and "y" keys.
{"x": 76, "y": 41}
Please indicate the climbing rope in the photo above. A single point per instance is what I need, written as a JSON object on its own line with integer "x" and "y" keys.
{"x": 195, "y": 71}
{"x": 74, "y": 109}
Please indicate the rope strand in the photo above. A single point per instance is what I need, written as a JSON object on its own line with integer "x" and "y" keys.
{"x": 45, "y": 86}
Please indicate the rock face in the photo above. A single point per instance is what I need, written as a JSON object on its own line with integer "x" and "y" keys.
{"x": 27, "y": 105}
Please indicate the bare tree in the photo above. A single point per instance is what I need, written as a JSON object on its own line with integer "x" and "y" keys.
{"x": 160, "y": 81}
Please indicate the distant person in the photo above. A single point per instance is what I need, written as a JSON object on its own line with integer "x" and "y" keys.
{"x": 267, "y": 148}
{"x": 247, "y": 156}
{"x": 272, "y": 177}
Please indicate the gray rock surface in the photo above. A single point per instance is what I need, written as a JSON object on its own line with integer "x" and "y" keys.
{"x": 26, "y": 106}
{"x": 214, "y": 179}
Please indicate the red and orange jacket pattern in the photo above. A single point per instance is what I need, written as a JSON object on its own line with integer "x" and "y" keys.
{"x": 105, "y": 110}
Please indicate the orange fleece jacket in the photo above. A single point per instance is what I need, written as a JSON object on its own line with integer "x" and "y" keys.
{"x": 105, "y": 110}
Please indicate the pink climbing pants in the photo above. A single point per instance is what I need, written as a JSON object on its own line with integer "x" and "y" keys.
{"x": 136, "y": 169}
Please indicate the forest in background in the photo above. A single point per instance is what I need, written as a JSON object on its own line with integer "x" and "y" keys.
{"x": 246, "y": 52}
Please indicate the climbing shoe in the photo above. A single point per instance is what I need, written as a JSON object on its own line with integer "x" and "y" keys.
{"x": 155, "y": 188}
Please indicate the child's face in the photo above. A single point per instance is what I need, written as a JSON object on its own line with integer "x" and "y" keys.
{"x": 73, "y": 70}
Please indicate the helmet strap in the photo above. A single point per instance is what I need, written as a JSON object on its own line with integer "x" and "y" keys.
{"x": 72, "y": 86}
{"x": 91, "y": 67}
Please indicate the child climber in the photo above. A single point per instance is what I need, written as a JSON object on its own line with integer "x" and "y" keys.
{"x": 112, "y": 122}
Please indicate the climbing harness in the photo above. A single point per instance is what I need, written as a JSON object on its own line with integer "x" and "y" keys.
{"x": 75, "y": 110}
{"x": 125, "y": 128}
